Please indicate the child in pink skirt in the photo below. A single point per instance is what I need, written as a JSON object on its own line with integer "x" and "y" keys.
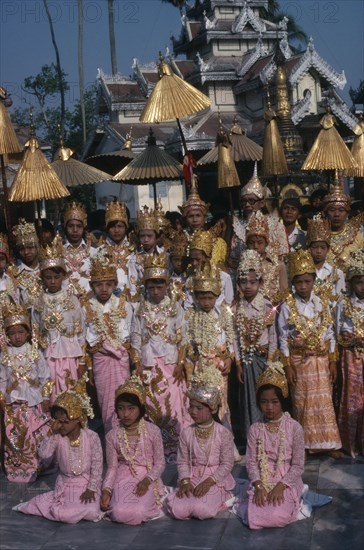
{"x": 132, "y": 488}
{"x": 205, "y": 454}
{"x": 76, "y": 495}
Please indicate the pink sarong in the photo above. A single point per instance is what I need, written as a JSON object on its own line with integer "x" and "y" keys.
{"x": 25, "y": 428}
{"x": 111, "y": 368}
{"x": 63, "y": 373}
{"x": 166, "y": 405}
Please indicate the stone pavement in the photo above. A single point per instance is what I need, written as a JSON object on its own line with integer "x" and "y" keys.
{"x": 339, "y": 525}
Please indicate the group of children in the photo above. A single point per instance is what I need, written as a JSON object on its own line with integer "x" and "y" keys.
{"x": 166, "y": 309}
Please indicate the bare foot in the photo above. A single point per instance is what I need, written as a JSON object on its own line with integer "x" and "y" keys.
{"x": 336, "y": 454}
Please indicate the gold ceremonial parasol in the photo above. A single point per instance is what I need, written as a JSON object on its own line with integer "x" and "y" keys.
{"x": 329, "y": 151}
{"x": 274, "y": 160}
{"x": 150, "y": 166}
{"x": 244, "y": 149}
{"x": 227, "y": 176}
{"x": 114, "y": 161}
{"x": 36, "y": 179}
{"x": 8, "y": 144}
{"x": 172, "y": 97}
{"x": 357, "y": 149}
{"x": 73, "y": 172}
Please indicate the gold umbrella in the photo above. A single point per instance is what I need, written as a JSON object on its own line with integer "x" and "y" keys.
{"x": 114, "y": 161}
{"x": 274, "y": 160}
{"x": 227, "y": 176}
{"x": 172, "y": 97}
{"x": 8, "y": 144}
{"x": 151, "y": 165}
{"x": 73, "y": 172}
{"x": 357, "y": 149}
{"x": 36, "y": 179}
{"x": 329, "y": 151}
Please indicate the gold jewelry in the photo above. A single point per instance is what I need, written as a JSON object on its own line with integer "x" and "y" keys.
{"x": 75, "y": 442}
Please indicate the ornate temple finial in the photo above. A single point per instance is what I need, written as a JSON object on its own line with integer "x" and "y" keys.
{"x": 128, "y": 140}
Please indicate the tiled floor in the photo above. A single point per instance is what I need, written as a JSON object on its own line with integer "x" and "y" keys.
{"x": 339, "y": 525}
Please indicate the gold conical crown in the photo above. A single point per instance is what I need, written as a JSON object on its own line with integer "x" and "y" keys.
{"x": 254, "y": 187}
{"x": 275, "y": 376}
{"x": 52, "y": 255}
{"x": 207, "y": 279}
{"x": 102, "y": 268}
{"x": 76, "y": 402}
{"x": 250, "y": 261}
{"x": 133, "y": 385}
{"x": 116, "y": 212}
{"x": 75, "y": 211}
{"x": 318, "y": 229}
{"x": 155, "y": 267}
{"x": 194, "y": 202}
{"x": 15, "y": 314}
{"x": 147, "y": 220}
{"x": 202, "y": 240}
{"x": 355, "y": 266}
{"x": 337, "y": 196}
{"x": 25, "y": 234}
{"x": 258, "y": 225}
{"x": 299, "y": 263}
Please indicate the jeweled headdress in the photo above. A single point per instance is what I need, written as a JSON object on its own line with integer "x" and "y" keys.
{"x": 274, "y": 375}
{"x": 146, "y": 219}
{"x": 102, "y": 268}
{"x": 76, "y": 402}
{"x": 355, "y": 266}
{"x": 25, "y": 234}
{"x": 133, "y": 385}
{"x": 75, "y": 211}
{"x": 337, "y": 196}
{"x": 206, "y": 387}
{"x": 4, "y": 245}
{"x": 207, "y": 279}
{"x": 160, "y": 215}
{"x": 318, "y": 229}
{"x": 52, "y": 255}
{"x": 15, "y": 314}
{"x": 116, "y": 212}
{"x": 253, "y": 187}
{"x": 299, "y": 263}
{"x": 202, "y": 240}
{"x": 258, "y": 225}
{"x": 178, "y": 247}
{"x": 250, "y": 261}
{"x": 155, "y": 267}
{"x": 194, "y": 202}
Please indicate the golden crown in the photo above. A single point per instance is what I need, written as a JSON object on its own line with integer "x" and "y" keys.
{"x": 299, "y": 263}
{"x": 179, "y": 246}
{"x": 194, "y": 202}
{"x": 25, "y": 234}
{"x": 253, "y": 187}
{"x": 206, "y": 387}
{"x": 52, "y": 255}
{"x": 160, "y": 215}
{"x": 102, "y": 268}
{"x": 15, "y": 314}
{"x": 75, "y": 211}
{"x": 116, "y": 212}
{"x": 4, "y": 245}
{"x": 337, "y": 196}
{"x": 274, "y": 375}
{"x": 156, "y": 266}
{"x": 258, "y": 225}
{"x": 147, "y": 219}
{"x": 133, "y": 385}
{"x": 318, "y": 229}
{"x": 250, "y": 261}
{"x": 76, "y": 402}
{"x": 207, "y": 280}
{"x": 355, "y": 266}
{"x": 202, "y": 240}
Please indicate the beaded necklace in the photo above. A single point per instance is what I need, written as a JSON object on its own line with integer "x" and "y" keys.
{"x": 311, "y": 330}
{"x": 251, "y": 330}
{"x": 75, "y": 455}
{"x": 107, "y": 324}
{"x": 124, "y": 445}
{"x": 156, "y": 319}
{"x": 262, "y": 454}
{"x": 21, "y": 364}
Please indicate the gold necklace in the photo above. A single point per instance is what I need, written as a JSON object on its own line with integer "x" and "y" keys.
{"x": 204, "y": 432}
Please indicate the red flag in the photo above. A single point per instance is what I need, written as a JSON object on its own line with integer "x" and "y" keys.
{"x": 189, "y": 164}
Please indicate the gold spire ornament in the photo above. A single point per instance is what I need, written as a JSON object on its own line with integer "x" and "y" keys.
{"x": 207, "y": 279}
{"x": 160, "y": 215}
{"x": 156, "y": 266}
{"x": 116, "y": 212}
{"x": 357, "y": 149}
{"x": 73, "y": 172}
{"x": 15, "y": 314}
{"x": 254, "y": 186}
{"x": 299, "y": 263}
{"x": 193, "y": 201}
{"x": 36, "y": 179}
{"x": 51, "y": 256}
{"x": 274, "y": 375}
{"x": 318, "y": 229}
{"x": 329, "y": 151}
{"x": 172, "y": 97}
{"x": 133, "y": 385}
{"x": 243, "y": 148}
{"x": 75, "y": 211}
{"x": 250, "y": 261}
{"x": 274, "y": 160}
{"x": 24, "y": 234}
{"x": 227, "y": 175}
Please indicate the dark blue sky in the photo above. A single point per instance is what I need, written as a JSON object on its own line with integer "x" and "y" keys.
{"x": 142, "y": 28}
